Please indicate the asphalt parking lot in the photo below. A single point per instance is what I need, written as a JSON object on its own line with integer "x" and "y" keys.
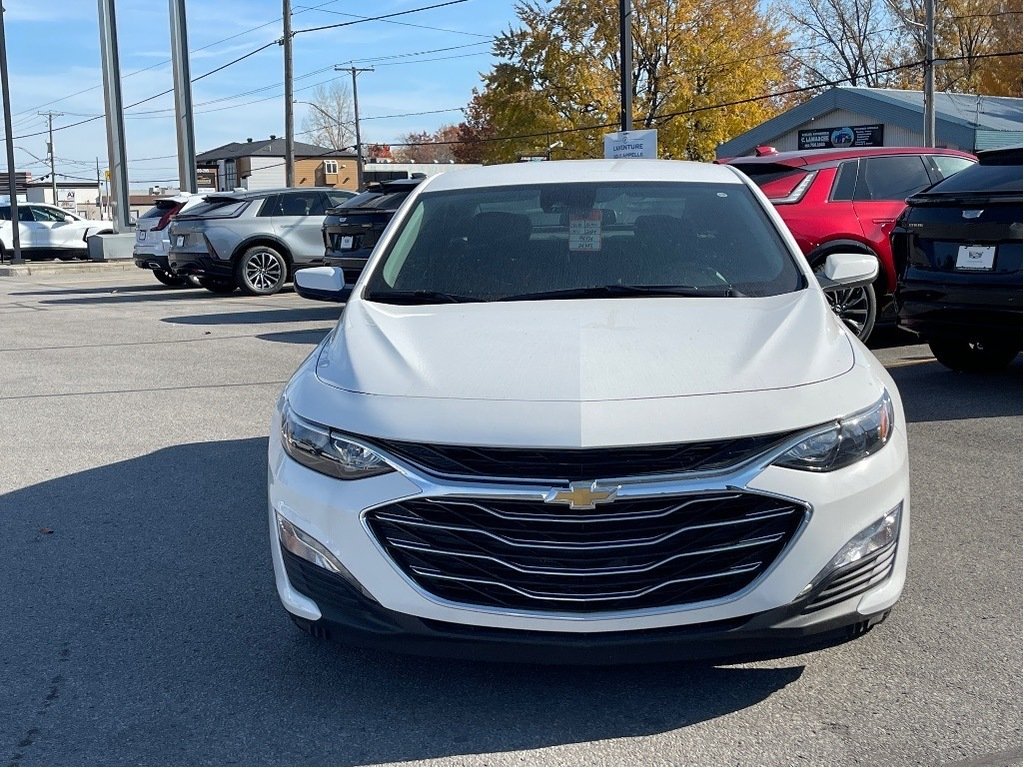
{"x": 141, "y": 626}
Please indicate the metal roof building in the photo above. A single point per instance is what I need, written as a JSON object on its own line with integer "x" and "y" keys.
{"x": 886, "y": 117}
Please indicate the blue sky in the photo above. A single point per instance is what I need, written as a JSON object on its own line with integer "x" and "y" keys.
{"x": 53, "y": 56}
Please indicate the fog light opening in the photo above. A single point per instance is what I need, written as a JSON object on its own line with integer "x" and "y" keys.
{"x": 301, "y": 544}
{"x": 877, "y": 536}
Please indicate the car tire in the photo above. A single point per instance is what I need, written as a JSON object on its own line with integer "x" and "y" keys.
{"x": 856, "y": 307}
{"x": 974, "y": 356}
{"x": 219, "y": 285}
{"x": 261, "y": 271}
{"x": 168, "y": 278}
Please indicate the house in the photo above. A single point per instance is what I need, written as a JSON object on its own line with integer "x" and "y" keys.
{"x": 260, "y": 165}
{"x": 885, "y": 117}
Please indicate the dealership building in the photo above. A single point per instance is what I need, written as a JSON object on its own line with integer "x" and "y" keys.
{"x": 884, "y": 117}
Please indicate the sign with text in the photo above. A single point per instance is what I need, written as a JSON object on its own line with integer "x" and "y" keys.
{"x": 843, "y": 136}
{"x": 626, "y": 144}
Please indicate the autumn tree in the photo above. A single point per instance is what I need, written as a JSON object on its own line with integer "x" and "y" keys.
{"x": 855, "y": 42}
{"x": 428, "y": 147}
{"x": 329, "y": 122}
{"x": 701, "y": 71}
{"x": 971, "y": 40}
{"x": 881, "y": 43}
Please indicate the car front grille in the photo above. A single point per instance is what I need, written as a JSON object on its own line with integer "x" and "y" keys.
{"x": 566, "y": 465}
{"x": 627, "y": 555}
{"x": 854, "y": 579}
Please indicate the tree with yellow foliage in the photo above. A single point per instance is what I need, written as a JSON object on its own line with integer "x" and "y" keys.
{"x": 560, "y": 73}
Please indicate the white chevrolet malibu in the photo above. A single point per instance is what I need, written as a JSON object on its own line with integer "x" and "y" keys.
{"x": 591, "y": 411}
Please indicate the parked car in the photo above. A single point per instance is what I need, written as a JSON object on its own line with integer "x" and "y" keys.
{"x": 352, "y": 229}
{"x": 46, "y": 231}
{"x": 846, "y": 200}
{"x": 252, "y": 240}
{"x": 589, "y": 411}
{"x": 153, "y": 237}
{"x": 958, "y": 249}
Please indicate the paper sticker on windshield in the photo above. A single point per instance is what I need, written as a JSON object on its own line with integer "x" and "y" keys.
{"x": 585, "y": 231}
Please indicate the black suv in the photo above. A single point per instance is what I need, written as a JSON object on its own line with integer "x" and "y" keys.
{"x": 352, "y": 229}
{"x": 957, "y": 249}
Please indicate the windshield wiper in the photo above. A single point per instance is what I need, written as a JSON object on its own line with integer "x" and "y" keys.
{"x": 420, "y": 297}
{"x": 626, "y": 291}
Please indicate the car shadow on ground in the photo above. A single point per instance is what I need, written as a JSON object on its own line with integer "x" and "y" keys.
{"x": 932, "y": 392}
{"x": 310, "y": 337}
{"x": 153, "y": 288}
{"x": 261, "y": 316}
{"x": 142, "y": 627}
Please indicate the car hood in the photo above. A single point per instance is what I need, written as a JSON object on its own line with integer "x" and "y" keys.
{"x": 586, "y": 350}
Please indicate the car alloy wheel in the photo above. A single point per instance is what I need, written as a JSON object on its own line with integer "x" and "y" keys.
{"x": 856, "y": 307}
{"x": 262, "y": 271}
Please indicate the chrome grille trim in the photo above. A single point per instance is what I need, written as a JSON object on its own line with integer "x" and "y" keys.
{"x": 533, "y": 544}
{"x": 592, "y": 571}
{"x": 505, "y": 551}
{"x": 589, "y": 598}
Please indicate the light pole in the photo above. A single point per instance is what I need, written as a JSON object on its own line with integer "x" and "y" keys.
{"x": 12, "y": 183}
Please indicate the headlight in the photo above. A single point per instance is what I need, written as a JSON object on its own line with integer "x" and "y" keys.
{"x": 845, "y": 442}
{"x": 320, "y": 449}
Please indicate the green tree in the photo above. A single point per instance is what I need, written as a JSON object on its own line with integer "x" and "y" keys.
{"x": 559, "y": 73}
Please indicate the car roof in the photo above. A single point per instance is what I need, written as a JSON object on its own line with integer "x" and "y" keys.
{"x": 817, "y": 156}
{"x": 249, "y": 194}
{"x": 560, "y": 171}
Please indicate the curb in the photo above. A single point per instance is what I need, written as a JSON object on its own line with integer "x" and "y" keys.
{"x": 66, "y": 268}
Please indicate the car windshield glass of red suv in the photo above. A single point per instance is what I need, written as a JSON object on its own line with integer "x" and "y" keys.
{"x": 584, "y": 240}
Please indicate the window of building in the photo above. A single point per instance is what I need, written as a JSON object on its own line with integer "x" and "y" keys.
{"x": 330, "y": 166}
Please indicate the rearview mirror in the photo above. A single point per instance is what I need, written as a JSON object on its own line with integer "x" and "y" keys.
{"x": 321, "y": 284}
{"x": 848, "y": 270}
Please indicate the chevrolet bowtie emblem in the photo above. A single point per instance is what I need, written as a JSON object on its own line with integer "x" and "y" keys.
{"x": 582, "y": 495}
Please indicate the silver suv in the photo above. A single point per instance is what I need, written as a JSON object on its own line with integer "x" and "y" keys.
{"x": 252, "y": 240}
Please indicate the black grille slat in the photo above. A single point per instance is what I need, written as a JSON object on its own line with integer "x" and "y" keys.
{"x": 566, "y": 464}
{"x": 630, "y": 554}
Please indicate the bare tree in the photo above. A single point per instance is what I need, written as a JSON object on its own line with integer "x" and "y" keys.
{"x": 329, "y": 122}
{"x": 426, "y": 147}
{"x": 847, "y": 41}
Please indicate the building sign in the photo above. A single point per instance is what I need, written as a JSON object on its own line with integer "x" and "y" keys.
{"x": 844, "y": 136}
{"x": 66, "y": 200}
{"x": 625, "y": 144}
{"x": 206, "y": 178}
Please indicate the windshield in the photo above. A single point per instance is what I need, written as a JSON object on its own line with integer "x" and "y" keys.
{"x": 584, "y": 240}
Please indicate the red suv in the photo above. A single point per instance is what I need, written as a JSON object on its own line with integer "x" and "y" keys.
{"x": 847, "y": 200}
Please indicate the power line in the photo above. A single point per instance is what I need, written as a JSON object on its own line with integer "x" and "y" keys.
{"x": 382, "y": 17}
{"x": 404, "y": 23}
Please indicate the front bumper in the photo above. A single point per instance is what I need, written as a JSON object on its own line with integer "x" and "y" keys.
{"x": 380, "y": 606}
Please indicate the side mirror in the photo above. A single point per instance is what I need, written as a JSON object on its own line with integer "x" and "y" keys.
{"x": 848, "y": 270}
{"x": 321, "y": 284}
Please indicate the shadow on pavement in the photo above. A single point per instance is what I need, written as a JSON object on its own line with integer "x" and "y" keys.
{"x": 260, "y": 316}
{"x": 154, "y": 288}
{"x": 141, "y": 626}
{"x": 932, "y": 392}
{"x": 311, "y": 337}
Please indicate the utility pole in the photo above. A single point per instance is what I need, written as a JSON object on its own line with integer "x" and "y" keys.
{"x": 626, "y": 65}
{"x": 12, "y": 182}
{"x": 99, "y": 191}
{"x": 289, "y": 98}
{"x": 183, "y": 98}
{"x": 114, "y": 112}
{"x": 49, "y": 146}
{"x": 355, "y": 114}
{"x": 929, "y": 73}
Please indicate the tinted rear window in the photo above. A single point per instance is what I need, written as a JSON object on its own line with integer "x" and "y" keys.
{"x": 385, "y": 202}
{"x": 981, "y": 178}
{"x": 218, "y": 208}
{"x": 159, "y": 208}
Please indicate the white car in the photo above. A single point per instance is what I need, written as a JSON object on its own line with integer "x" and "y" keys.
{"x": 590, "y": 411}
{"x": 46, "y": 231}
{"x": 153, "y": 236}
